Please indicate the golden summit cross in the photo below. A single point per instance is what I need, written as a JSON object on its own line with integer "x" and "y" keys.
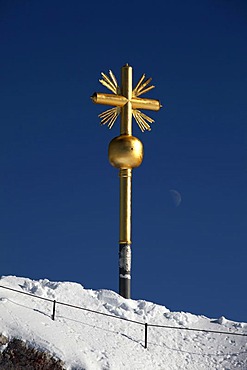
{"x": 125, "y": 151}
{"x": 126, "y": 101}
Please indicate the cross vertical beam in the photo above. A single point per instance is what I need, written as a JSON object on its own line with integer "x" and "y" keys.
{"x": 126, "y": 110}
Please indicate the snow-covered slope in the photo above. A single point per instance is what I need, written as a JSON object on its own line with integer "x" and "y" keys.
{"x": 85, "y": 340}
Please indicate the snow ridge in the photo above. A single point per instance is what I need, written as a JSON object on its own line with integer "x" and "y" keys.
{"x": 84, "y": 340}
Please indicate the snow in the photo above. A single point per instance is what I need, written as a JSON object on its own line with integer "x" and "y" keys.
{"x": 85, "y": 340}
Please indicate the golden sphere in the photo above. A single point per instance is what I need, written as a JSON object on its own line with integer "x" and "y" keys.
{"x": 125, "y": 151}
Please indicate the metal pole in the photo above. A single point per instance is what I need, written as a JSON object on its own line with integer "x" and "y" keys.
{"x": 125, "y": 175}
{"x": 125, "y": 233}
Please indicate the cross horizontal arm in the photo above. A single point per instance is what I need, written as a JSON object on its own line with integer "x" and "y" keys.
{"x": 109, "y": 99}
{"x": 120, "y": 101}
{"x": 142, "y": 103}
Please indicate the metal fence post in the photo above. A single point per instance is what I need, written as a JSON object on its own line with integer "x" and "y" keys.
{"x": 54, "y": 310}
{"x": 146, "y": 335}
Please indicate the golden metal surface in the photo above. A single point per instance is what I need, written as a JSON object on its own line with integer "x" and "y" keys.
{"x": 109, "y": 116}
{"x": 141, "y": 86}
{"x": 126, "y": 111}
{"x": 125, "y": 151}
{"x": 125, "y": 176}
{"x": 126, "y": 101}
{"x": 110, "y": 82}
{"x": 142, "y": 103}
{"x": 109, "y": 99}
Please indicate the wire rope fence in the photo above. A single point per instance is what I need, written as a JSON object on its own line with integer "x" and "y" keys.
{"x": 144, "y": 324}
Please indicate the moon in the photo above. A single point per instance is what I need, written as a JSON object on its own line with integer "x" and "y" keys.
{"x": 176, "y": 197}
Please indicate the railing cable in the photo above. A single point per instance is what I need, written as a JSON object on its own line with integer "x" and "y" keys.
{"x": 55, "y": 303}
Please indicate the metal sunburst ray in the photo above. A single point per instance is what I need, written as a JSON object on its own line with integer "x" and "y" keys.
{"x": 141, "y": 86}
{"x": 109, "y": 116}
{"x": 142, "y": 120}
{"x": 110, "y": 82}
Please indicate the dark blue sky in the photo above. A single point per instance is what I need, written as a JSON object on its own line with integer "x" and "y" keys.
{"x": 59, "y": 194}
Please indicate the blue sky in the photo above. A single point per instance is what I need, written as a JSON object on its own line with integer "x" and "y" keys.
{"x": 59, "y": 194}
